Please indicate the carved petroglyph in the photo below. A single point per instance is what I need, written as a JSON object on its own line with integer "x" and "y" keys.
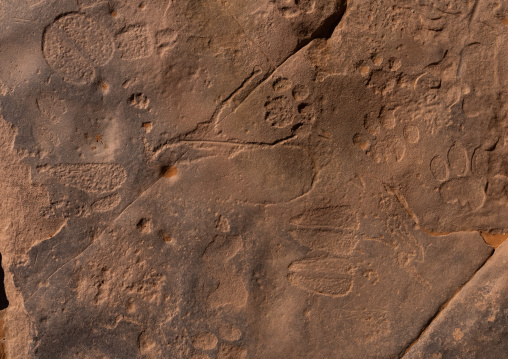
{"x": 90, "y": 177}
{"x": 74, "y": 45}
{"x": 231, "y": 179}
{"x": 463, "y": 180}
{"x": 325, "y": 276}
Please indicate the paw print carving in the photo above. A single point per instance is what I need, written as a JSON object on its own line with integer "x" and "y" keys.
{"x": 279, "y": 112}
{"x": 287, "y": 106}
{"x": 386, "y": 138}
{"x": 462, "y": 180}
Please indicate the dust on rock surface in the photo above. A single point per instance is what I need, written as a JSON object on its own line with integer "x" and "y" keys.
{"x": 253, "y": 179}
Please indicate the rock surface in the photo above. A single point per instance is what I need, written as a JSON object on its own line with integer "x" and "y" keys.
{"x": 253, "y": 179}
{"x": 473, "y": 323}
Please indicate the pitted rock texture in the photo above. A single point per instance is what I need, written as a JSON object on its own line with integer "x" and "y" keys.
{"x": 253, "y": 179}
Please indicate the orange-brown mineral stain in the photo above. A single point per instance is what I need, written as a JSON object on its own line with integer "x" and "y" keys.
{"x": 104, "y": 87}
{"x": 169, "y": 172}
{"x": 166, "y": 238}
{"x": 364, "y": 70}
{"x": 435, "y": 234}
{"x": 147, "y": 126}
{"x": 504, "y": 21}
{"x": 361, "y": 142}
{"x": 494, "y": 239}
{"x": 98, "y": 138}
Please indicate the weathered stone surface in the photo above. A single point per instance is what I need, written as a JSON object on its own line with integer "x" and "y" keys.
{"x": 473, "y": 323}
{"x": 252, "y": 179}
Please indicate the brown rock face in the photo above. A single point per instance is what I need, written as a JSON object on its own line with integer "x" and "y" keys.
{"x": 238, "y": 179}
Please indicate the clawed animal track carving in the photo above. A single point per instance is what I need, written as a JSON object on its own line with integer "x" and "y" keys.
{"x": 416, "y": 107}
{"x": 286, "y": 107}
{"x": 462, "y": 181}
{"x": 386, "y": 139}
{"x": 139, "y": 101}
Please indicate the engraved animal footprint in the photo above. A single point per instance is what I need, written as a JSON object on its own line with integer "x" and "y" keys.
{"x": 395, "y": 231}
{"x": 322, "y": 275}
{"x": 93, "y": 178}
{"x": 462, "y": 181}
{"x": 332, "y": 231}
{"x": 208, "y": 342}
{"x": 230, "y": 289}
{"x": 386, "y": 139}
{"x": 286, "y": 107}
{"x": 75, "y": 45}
{"x": 135, "y": 42}
{"x": 88, "y": 177}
